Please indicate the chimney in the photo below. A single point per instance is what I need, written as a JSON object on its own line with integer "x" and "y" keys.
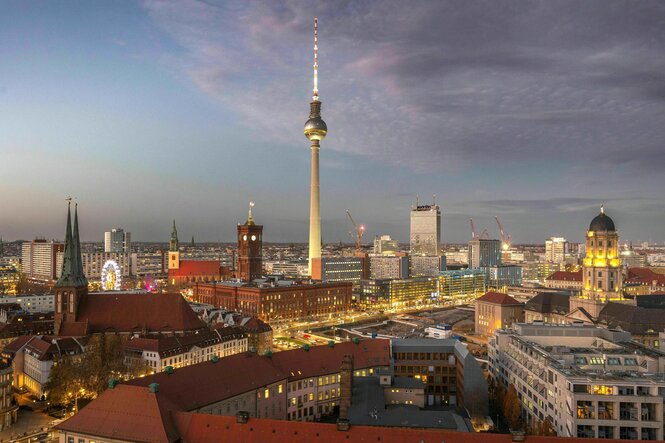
{"x": 346, "y": 387}
{"x": 242, "y": 417}
{"x": 153, "y": 388}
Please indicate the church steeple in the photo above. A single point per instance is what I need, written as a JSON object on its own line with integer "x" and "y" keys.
{"x": 173, "y": 244}
{"x": 72, "y": 286}
{"x": 77, "y": 247}
{"x": 72, "y": 268}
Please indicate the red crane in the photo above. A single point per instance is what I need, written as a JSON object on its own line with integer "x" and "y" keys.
{"x": 506, "y": 241}
{"x": 483, "y": 235}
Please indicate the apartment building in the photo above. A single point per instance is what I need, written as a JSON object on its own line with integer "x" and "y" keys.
{"x": 590, "y": 382}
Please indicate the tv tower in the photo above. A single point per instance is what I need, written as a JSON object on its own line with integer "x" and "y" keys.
{"x": 315, "y": 131}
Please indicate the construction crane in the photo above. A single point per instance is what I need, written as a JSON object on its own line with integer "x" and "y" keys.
{"x": 482, "y": 236}
{"x": 360, "y": 230}
{"x": 506, "y": 241}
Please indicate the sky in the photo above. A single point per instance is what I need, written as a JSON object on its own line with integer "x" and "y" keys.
{"x": 145, "y": 112}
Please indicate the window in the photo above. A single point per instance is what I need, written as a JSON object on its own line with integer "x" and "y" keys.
{"x": 597, "y": 360}
{"x": 602, "y": 390}
{"x": 629, "y": 361}
{"x": 581, "y": 361}
{"x": 280, "y": 389}
{"x": 266, "y": 393}
{"x": 614, "y": 361}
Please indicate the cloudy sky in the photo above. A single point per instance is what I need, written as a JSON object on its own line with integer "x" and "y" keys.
{"x": 535, "y": 111}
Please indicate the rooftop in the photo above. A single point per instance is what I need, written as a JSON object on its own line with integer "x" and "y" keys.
{"x": 498, "y": 298}
{"x": 368, "y": 407}
{"x": 194, "y": 386}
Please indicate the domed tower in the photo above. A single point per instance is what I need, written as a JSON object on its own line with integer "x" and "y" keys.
{"x": 601, "y": 276}
{"x": 601, "y": 270}
{"x": 315, "y": 130}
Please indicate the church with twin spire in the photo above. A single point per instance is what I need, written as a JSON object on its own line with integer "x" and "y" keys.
{"x": 78, "y": 313}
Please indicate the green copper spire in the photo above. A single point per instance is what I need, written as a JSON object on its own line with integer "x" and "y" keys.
{"x": 77, "y": 248}
{"x": 173, "y": 244}
{"x": 72, "y": 269}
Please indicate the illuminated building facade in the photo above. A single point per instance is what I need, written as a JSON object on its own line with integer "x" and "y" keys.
{"x": 9, "y": 277}
{"x": 383, "y": 294}
{"x": 388, "y": 267}
{"x": 556, "y": 249}
{"x": 427, "y": 266}
{"x": 8, "y": 405}
{"x": 601, "y": 270}
{"x": 271, "y": 300}
{"x": 338, "y": 269}
{"x": 496, "y": 310}
{"x": 425, "y": 235}
{"x": 462, "y": 284}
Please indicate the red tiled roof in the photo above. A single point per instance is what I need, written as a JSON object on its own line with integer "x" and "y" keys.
{"x": 15, "y": 345}
{"x": 645, "y": 276}
{"x": 194, "y": 386}
{"x": 47, "y": 347}
{"x": 209, "y": 428}
{"x": 128, "y": 413}
{"x": 74, "y": 329}
{"x": 136, "y": 313}
{"x": 566, "y": 276}
{"x": 320, "y": 360}
{"x": 498, "y": 298}
{"x": 196, "y": 267}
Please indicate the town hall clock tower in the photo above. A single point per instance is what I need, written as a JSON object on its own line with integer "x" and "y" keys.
{"x": 250, "y": 246}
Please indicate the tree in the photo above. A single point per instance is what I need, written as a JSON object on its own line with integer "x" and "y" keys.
{"x": 88, "y": 374}
{"x": 496, "y": 394}
{"x": 543, "y": 428}
{"x": 512, "y": 409}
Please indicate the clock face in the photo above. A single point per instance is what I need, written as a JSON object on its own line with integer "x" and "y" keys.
{"x": 253, "y": 237}
{"x": 244, "y": 237}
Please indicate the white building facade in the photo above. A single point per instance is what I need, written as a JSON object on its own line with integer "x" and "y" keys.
{"x": 590, "y": 382}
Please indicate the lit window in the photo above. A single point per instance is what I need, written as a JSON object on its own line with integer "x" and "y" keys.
{"x": 280, "y": 389}
{"x": 266, "y": 393}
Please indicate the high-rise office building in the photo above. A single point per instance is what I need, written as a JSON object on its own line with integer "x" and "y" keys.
{"x": 425, "y": 230}
{"x": 484, "y": 253}
{"x": 556, "y": 249}
{"x": 117, "y": 240}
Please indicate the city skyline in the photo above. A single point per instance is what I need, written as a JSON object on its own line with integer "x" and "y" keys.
{"x": 149, "y": 106}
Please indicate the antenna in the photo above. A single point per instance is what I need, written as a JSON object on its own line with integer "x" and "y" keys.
{"x": 315, "y": 95}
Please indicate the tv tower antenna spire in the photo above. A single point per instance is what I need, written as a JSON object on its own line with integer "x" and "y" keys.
{"x": 315, "y": 92}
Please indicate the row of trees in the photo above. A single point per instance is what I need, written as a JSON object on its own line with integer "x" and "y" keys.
{"x": 88, "y": 374}
{"x": 506, "y": 403}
